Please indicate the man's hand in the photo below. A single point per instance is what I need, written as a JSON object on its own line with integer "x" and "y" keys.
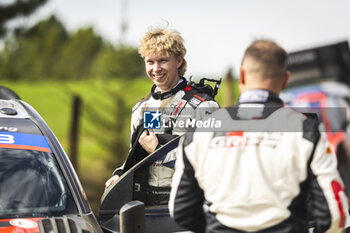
{"x": 148, "y": 140}
{"x": 111, "y": 180}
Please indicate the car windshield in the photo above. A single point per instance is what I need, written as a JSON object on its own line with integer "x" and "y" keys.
{"x": 32, "y": 184}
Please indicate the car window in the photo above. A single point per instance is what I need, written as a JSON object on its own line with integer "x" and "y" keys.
{"x": 31, "y": 183}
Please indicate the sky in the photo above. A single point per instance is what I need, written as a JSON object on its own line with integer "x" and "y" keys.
{"x": 216, "y": 32}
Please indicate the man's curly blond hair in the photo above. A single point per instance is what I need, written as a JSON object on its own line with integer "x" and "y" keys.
{"x": 164, "y": 42}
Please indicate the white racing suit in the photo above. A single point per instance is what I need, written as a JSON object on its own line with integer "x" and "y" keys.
{"x": 182, "y": 103}
{"x": 268, "y": 169}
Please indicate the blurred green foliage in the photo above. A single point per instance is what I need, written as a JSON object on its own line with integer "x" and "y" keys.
{"x": 123, "y": 62}
{"x": 47, "y": 51}
{"x": 14, "y": 9}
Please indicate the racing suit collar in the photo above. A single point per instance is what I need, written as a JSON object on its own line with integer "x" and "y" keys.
{"x": 158, "y": 95}
{"x": 259, "y": 96}
{"x": 255, "y": 104}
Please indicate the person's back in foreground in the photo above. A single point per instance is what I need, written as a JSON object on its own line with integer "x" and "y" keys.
{"x": 268, "y": 170}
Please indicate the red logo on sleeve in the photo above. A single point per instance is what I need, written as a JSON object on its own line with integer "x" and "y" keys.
{"x": 337, "y": 188}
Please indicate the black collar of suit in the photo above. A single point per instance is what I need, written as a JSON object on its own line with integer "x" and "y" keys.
{"x": 158, "y": 95}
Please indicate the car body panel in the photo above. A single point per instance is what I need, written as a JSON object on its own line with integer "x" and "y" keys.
{"x": 332, "y": 109}
{"x": 25, "y": 225}
{"x": 24, "y": 135}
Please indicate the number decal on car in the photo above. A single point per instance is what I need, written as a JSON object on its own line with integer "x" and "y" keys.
{"x": 8, "y": 139}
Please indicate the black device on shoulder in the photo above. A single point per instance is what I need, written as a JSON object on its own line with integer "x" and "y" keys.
{"x": 206, "y": 88}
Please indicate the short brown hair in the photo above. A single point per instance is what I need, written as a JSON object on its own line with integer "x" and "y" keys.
{"x": 161, "y": 41}
{"x": 270, "y": 59}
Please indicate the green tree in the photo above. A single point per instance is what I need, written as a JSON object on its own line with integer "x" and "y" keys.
{"x": 32, "y": 55}
{"x": 16, "y": 9}
{"x": 48, "y": 51}
{"x": 120, "y": 62}
{"x": 7, "y": 68}
{"x": 79, "y": 54}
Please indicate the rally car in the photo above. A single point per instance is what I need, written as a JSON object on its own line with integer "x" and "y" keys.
{"x": 320, "y": 83}
{"x": 39, "y": 189}
{"x": 329, "y": 100}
